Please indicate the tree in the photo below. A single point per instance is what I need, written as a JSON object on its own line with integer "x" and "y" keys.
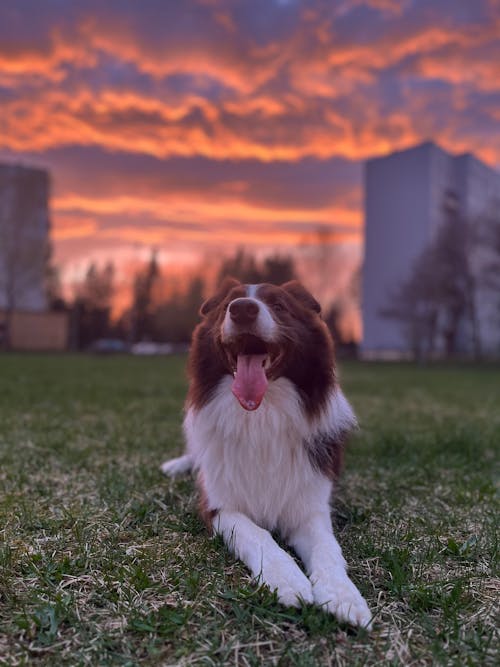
{"x": 487, "y": 259}
{"x": 143, "y": 299}
{"x": 414, "y": 305}
{"x": 276, "y": 269}
{"x": 489, "y": 238}
{"x": 332, "y": 319}
{"x": 53, "y": 287}
{"x": 173, "y": 320}
{"x": 241, "y": 266}
{"x": 437, "y": 303}
{"x": 320, "y": 265}
{"x": 91, "y": 311}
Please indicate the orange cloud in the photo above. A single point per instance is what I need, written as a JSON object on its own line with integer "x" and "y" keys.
{"x": 219, "y": 60}
{"x": 70, "y": 228}
{"x": 253, "y": 120}
{"x": 130, "y": 123}
{"x": 45, "y": 60}
{"x": 461, "y": 70}
{"x": 206, "y": 212}
{"x": 121, "y": 124}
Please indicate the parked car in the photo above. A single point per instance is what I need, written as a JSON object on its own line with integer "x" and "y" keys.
{"x": 147, "y": 348}
{"x": 109, "y": 346}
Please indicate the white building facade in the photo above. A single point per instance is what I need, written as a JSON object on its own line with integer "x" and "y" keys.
{"x": 24, "y": 237}
{"x": 405, "y": 193}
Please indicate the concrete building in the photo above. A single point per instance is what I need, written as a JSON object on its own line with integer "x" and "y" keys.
{"x": 24, "y": 237}
{"x": 405, "y": 194}
{"x": 25, "y": 323}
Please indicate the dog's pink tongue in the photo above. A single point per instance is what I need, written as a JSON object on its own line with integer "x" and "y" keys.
{"x": 250, "y": 381}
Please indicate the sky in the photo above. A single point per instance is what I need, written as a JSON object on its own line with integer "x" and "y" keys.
{"x": 196, "y": 126}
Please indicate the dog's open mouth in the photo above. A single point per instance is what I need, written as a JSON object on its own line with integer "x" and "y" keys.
{"x": 253, "y": 362}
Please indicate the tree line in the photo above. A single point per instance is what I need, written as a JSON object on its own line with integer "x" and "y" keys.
{"x": 152, "y": 316}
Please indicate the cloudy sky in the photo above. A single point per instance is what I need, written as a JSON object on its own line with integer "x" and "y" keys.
{"x": 200, "y": 124}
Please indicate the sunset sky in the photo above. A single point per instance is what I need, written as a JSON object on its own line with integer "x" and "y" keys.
{"x": 197, "y": 125}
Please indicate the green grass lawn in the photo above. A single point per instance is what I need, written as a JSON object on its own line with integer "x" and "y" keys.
{"x": 105, "y": 562}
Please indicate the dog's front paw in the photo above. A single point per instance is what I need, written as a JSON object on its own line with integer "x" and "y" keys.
{"x": 179, "y": 466}
{"x": 290, "y": 583}
{"x": 340, "y": 597}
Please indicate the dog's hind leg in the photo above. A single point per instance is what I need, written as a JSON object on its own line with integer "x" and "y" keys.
{"x": 179, "y": 466}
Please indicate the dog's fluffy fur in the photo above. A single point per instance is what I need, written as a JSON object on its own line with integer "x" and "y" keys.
{"x": 267, "y": 442}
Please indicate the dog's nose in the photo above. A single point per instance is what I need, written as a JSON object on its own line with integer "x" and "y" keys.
{"x": 243, "y": 311}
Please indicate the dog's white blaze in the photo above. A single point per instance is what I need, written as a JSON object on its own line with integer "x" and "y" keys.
{"x": 252, "y": 290}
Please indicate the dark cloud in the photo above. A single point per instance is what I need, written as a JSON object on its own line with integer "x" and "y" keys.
{"x": 309, "y": 184}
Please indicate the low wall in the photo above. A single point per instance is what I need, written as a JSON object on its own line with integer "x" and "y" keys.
{"x": 37, "y": 331}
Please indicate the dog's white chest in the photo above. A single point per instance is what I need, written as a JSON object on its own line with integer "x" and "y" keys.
{"x": 253, "y": 462}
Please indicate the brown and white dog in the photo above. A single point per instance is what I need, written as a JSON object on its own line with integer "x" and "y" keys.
{"x": 265, "y": 426}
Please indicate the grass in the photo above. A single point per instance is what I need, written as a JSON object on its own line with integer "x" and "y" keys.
{"x": 104, "y": 562}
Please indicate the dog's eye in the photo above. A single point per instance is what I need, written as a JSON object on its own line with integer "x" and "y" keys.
{"x": 278, "y": 308}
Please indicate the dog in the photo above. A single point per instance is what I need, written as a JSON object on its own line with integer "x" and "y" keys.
{"x": 265, "y": 426}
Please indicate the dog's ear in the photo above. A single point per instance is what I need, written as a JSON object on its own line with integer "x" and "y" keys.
{"x": 225, "y": 287}
{"x": 300, "y": 293}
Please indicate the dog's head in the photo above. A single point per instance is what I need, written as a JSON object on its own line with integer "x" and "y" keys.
{"x": 260, "y": 333}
